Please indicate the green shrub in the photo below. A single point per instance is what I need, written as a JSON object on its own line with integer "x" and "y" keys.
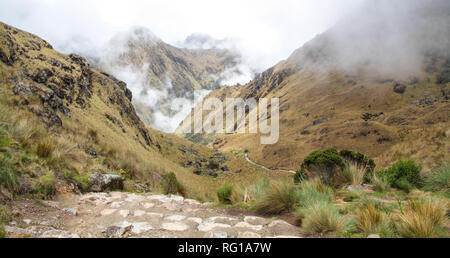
{"x": 2, "y": 231}
{"x": 443, "y": 77}
{"x": 403, "y": 175}
{"x": 45, "y": 187}
{"x": 359, "y": 158}
{"x": 171, "y": 185}
{"x": 45, "y": 149}
{"x": 324, "y": 163}
{"x": 280, "y": 198}
{"x": 224, "y": 194}
{"x": 300, "y": 176}
{"x": 438, "y": 180}
{"x": 213, "y": 164}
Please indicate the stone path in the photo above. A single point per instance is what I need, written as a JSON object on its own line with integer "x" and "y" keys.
{"x": 121, "y": 215}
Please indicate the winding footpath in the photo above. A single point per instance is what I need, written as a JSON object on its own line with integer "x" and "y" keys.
{"x": 259, "y": 165}
{"x": 122, "y": 215}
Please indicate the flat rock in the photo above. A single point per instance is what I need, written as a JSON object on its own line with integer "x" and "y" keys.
{"x": 255, "y": 220}
{"x": 141, "y": 227}
{"x": 208, "y": 226}
{"x": 175, "y": 226}
{"x": 117, "y": 205}
{"x": 19, "y": 231}
{"x": 139, "y": 213}
{"x": 195, "y": 220}
{"x": 216, "y": 234}
{"x": 248, "y": 226}
{"x": 248, "y": 234}
{"x": 148, "y": 205}
{"x": 54, "y": 233}
{"x": 176, "y": 217}
{"x": 71, "y": 210}
{"x": 281, "y": 227}
{"x": 124, "y": 213}
{"x": 107, "y": 212}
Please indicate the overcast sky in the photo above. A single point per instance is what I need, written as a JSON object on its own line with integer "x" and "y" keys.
{"x": 267, "y": 31}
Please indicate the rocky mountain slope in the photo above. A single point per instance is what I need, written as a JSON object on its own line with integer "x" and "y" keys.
{"x": 377, "y": 82}
{"x": 161, "y": 73}
{"x": 62, "y": 120}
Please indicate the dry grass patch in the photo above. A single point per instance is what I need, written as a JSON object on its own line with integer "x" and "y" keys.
{"x": 279, "y": 198}
{"x": 422, "y": 219}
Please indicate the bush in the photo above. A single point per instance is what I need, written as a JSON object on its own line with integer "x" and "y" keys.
{"x": 280, "y": 198}
{"x": 301, "y": 176}
{"x": 422, "y": 219}
{"x": 403, "y": 174}
{"x": 324, "y": 163}
{"x": 171, "y": 185}
{"x": 439, "y": 180}
{"x": 443, "y": 77}
{"x": 45, "y": 149}
{"x": 213, "y": 164}
{"x": 224, "y": 194}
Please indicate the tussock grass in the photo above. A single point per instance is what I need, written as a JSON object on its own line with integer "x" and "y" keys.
{"x": 370, "y": 219}
{"x": 171, "y": 185}
{"x": 279, "y": 198}
{"x": 422, "y": 219}
{"x": 380, "y": 184}
{"x": 353, "y": 174}
{"x": 5, "y": 217}
{"x": 224, "y": 194}
{"x": 439, "y": 180}
{"x": 8, "y": 175}
{"x": 45, "y": 148}
{"x": 322, "y": 217}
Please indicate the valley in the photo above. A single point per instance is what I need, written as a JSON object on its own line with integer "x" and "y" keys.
{"x": 97, "y": 146}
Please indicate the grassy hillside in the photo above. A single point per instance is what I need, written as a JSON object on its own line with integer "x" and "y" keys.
{"x": 62, "y": 120}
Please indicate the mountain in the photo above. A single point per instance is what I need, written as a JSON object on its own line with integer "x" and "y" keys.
{"x": 61, "y": 120}
{"x": 377, "y": 82}
{"x": 162, "y": 76}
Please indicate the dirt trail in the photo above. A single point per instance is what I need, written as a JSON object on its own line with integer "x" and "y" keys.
{"x": 120, "y": 215}
{"x": 259, "y": 165}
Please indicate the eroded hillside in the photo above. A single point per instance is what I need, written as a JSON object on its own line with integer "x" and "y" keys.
{"x": 62, "y": 120}
{"x": 335, "y": 93}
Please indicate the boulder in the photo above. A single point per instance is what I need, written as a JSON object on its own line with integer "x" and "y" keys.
{"x": 105, "y": 182}
{"x": 399, "y": 88}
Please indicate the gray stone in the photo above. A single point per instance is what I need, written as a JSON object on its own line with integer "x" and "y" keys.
{"x": 374, "y": 236}
{"x": 175, "y": 226}
{"x": 105, "y": 182}
{"x": 117, "y": 231}
{"x": 248, "y": 234}
{"x": 19, "y": 231}
{"x": 70, "y": 210}
{"x": 216, "y": 234}
{"x": 54, "y": 233}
